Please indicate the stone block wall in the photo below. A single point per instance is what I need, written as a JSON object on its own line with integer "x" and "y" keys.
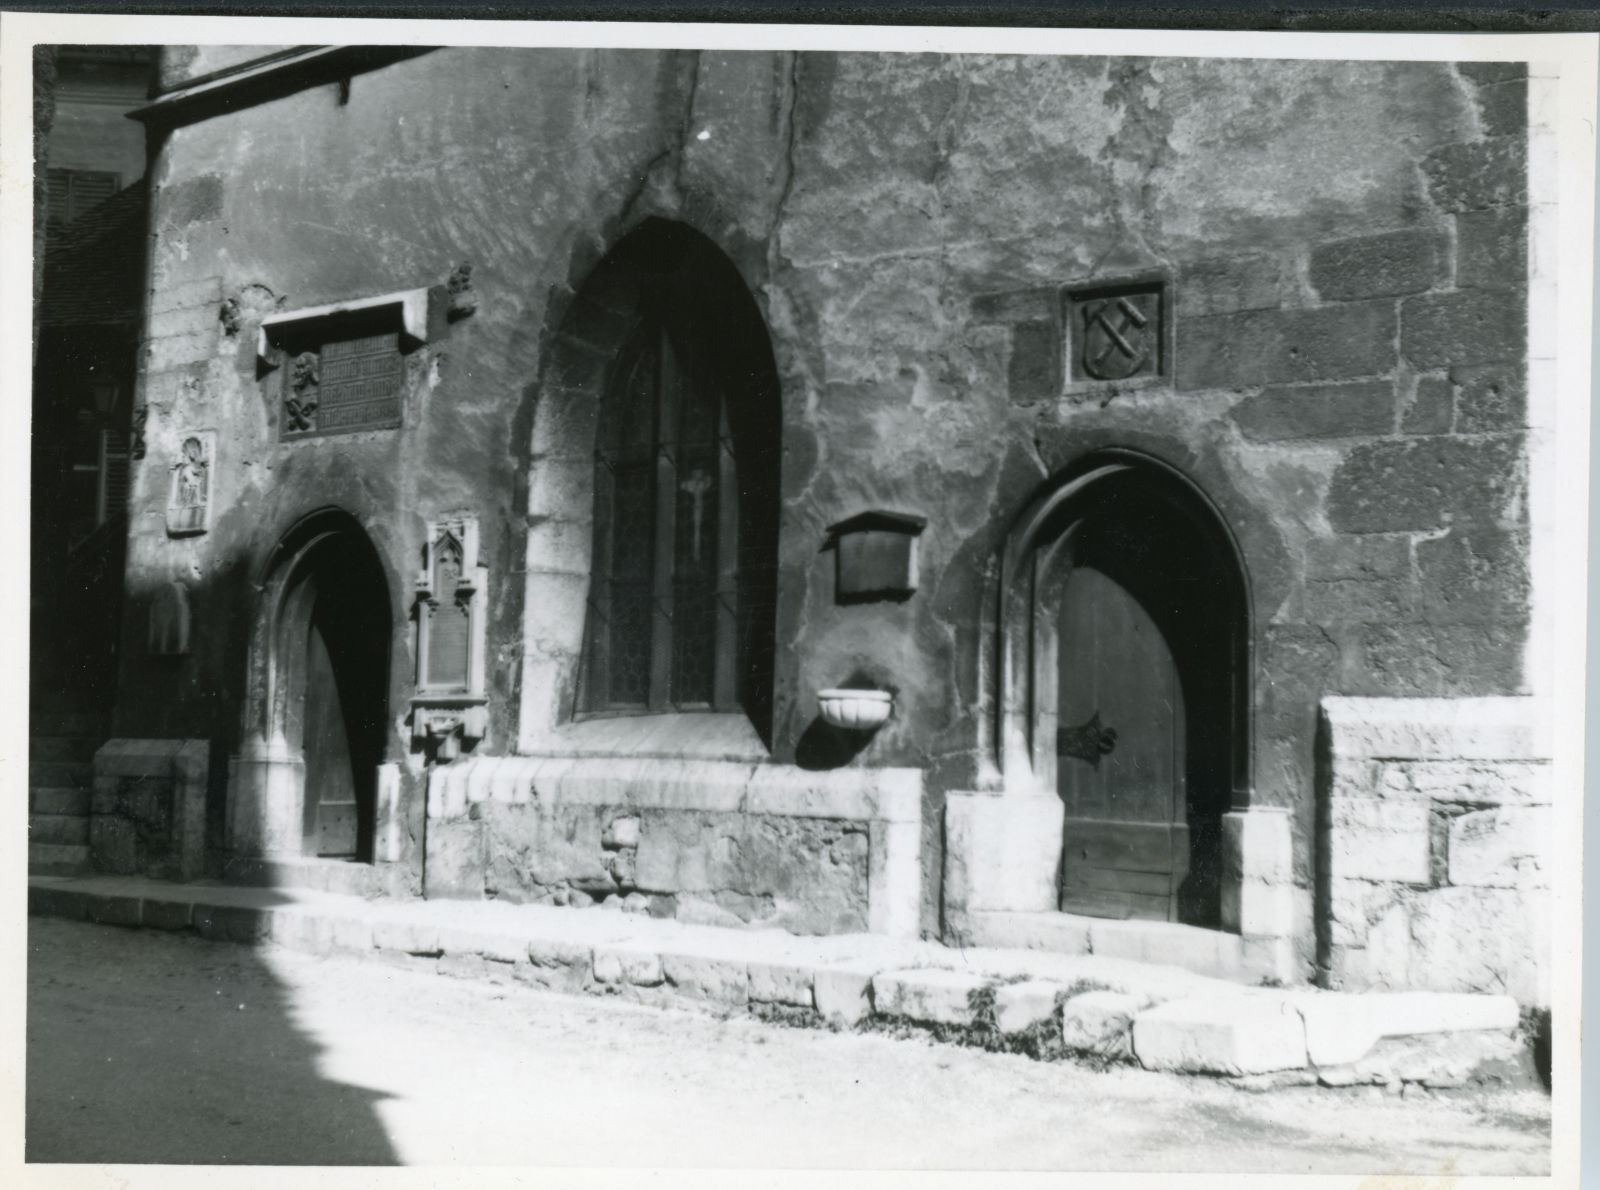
{"x": 147, "y": 815}
{"x": 708, "y": 842}
{"x": 1436, "y": 838}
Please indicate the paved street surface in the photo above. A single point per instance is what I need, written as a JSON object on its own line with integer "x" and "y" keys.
{"x": 148, "y": 1047}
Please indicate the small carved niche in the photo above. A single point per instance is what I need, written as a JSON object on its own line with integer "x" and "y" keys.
{"x": 450, "y": 708}
{"x": 189, "y": 488}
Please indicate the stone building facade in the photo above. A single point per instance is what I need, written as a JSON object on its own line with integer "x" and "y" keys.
{"x": 535, "y": 438}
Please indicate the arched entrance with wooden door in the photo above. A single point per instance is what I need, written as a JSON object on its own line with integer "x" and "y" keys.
{"x": 305, "y": 783}
{"x": 1127, "y": 660}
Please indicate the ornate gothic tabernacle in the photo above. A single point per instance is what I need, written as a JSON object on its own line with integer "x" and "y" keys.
{"x": 450, "y": 707}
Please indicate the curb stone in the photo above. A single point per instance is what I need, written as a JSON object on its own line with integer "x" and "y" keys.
{"x": 1261, "y": 1039}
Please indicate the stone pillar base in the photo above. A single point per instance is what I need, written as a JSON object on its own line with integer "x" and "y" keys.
{"x": 1258, "y": 873}
{"x": 266, "y": 801}
{"x": 1001, "y": 853}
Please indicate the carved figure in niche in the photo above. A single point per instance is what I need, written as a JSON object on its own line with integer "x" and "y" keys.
{"x": 300, "y": 405}
{"x": 463, "y": 299}
{"x": 189, "y": 498}
{"x": 192, "y": 475}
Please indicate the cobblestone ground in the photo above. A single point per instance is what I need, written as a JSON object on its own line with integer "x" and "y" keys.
{"x": 146, "y": 1047}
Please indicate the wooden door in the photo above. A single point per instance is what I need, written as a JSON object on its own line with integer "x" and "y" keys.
{"x": 1120, "y": 755}
{"x": 329, "y": 826}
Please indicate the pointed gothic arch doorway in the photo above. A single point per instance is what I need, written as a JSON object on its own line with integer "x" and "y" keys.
{"x": 1127, "y": 647}
{"x": 305, "y": 783}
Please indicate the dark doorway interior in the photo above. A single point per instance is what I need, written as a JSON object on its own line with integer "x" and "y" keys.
{"x": 344, "y": 702}
{"x": 1150, "y": 646}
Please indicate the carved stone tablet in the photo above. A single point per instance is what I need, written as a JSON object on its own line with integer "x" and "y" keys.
{"x": 347, "y": 385}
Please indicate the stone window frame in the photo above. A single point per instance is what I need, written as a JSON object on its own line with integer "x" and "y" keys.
{"x": 583, "y": 342}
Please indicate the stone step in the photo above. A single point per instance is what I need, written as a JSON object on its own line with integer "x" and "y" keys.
{"x": 1216, "y": 953}
{"x": 60, "y": 774}
{"x": 57, "y": 800}
{"x": 57, "y": 859}
{"x": 1157, "y": 1016}
{"x": 58, "y": 828}
{"x": 64, "y": 747}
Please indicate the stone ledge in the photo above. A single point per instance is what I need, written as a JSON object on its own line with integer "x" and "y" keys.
{"x": 725, "y": 786}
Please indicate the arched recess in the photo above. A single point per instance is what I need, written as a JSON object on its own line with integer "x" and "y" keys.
{"x": 316, "y": 714}
{"x": 654, "y": 494}
{"x": 1125, "y": 672}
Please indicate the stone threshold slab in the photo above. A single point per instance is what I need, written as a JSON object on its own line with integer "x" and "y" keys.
{"x": 1163, "y": 1017}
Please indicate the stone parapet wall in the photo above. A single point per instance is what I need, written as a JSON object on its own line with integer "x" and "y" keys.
{"x": 147, "y": 814}
{"x": 1435, "y": 840}
{"x": 714, "y": 842}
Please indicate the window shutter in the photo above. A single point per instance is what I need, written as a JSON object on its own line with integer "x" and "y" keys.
{"x": 114, "y": 474}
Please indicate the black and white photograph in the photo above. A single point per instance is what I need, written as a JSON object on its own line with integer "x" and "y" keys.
{"x": 711, "y": 598}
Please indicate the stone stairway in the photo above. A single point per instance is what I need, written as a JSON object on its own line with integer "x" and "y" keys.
{"x": 61, "y": 746}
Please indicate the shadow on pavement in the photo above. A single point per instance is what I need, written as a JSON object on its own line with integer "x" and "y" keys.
{"x": 145, "y": 1047}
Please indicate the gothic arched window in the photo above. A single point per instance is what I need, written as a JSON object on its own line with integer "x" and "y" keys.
{"x": 665, "y": 595}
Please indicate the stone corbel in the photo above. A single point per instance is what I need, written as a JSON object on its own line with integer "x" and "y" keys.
{"x": 444, "y": 729}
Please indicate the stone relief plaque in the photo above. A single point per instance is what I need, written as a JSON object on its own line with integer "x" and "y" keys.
{"x": 189, "y": 488}
{"x": 347, "y": 385}
{"x": 1117, "y": 332}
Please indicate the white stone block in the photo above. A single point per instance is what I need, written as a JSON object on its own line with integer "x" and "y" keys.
{"x": 894, "y": 878}
{"x": 776, "y": 983}
{"x": 1220, "y": 1035}
{"x": 1340, "y": 1029}
{"x": 1506, "y": 847}
{"x": 480, "y": 773}
{"x": 718, "y": 980}
{"x": 1257, "y": 908}
{"x": 1002, "y": 853}
{"x": 1379, "y": 839}
{"x": 1020, "y": 1006}
{"x": 1483, "y": 782}
{"x": 623, "y": 965}
{"x": 622, "y": 831}
{"x": 1099, "y": 1022}
{"x": 388, "y": 826}
{"x": 1257, "y": 844}
{"x": 854, "y": 794}
{"x": 927, "y": 994}
{"x": 1505, "y": 728}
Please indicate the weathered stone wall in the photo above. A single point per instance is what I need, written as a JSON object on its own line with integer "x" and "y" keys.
{"x": 713, "y": 843}
{"x": 1344, "y": 248}
{"x": 147, "y": 814}
{"x": 1437, "y": 838}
